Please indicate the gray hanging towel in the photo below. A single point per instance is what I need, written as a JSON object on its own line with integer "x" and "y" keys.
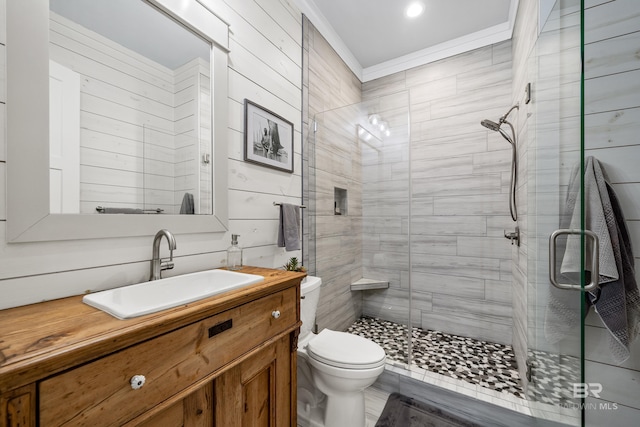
{"x": 187, "y": 206}
{"x": 617, "y": 300}
{"x": 288, "y": 228}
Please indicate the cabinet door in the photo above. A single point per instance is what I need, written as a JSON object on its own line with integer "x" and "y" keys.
{"x": 257, "y": 392}
{"x": 195, "y": 410}
{"x": 18, "y": 407}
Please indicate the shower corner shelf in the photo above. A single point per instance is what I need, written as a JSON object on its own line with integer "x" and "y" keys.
{"x": 368, "y": 284}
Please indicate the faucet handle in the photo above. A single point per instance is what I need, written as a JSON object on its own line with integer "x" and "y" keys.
{"x": 513, "y": 236}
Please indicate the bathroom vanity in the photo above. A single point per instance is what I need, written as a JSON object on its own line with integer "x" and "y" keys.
{"x": 228, "y": 360}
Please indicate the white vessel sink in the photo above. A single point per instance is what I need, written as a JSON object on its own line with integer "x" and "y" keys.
{"x": 149, "y": 297}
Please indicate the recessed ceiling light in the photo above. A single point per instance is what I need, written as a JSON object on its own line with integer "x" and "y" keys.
{"x": 415, "y": 9}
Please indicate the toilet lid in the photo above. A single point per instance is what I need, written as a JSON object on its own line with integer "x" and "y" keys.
{"x": 344, "y": 350}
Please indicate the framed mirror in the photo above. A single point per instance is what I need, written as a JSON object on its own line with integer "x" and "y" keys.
{"x": 117, "y": 125}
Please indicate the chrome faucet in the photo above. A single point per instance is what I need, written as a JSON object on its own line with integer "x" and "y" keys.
{"x": 156, "y": 263}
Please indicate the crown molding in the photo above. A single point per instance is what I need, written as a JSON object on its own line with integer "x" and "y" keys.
{"x": 486, "y": 37}
{"x": 309, "y": 9}
{"x": 453, "y": 47}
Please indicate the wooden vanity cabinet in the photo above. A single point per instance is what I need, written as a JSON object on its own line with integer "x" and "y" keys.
{"x": 234, "y": 366}
{"x": 250, "y": 394}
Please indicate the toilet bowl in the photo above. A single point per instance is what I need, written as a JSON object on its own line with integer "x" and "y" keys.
{"x": 334, "y": 369}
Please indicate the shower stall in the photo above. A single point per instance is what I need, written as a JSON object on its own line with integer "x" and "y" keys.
{"x": 410, "y": 200}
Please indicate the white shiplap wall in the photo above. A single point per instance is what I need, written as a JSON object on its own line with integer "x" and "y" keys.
{"x": 127, "y": 120}
{"x": 612, "y": 126}
{"x": 264, "y": 66}
{"x": 188, "y": 128}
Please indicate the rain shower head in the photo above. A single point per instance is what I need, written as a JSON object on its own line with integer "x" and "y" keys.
{"x": 490, "y": 125}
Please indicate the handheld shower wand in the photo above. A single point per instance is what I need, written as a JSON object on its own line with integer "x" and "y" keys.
{"x": 497, "y": 127}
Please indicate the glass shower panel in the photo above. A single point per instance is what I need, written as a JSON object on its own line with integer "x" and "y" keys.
{"x": 386, "y": 213}
{"x": 334, "y": 214}
{"x": 358, "y": 191}
{"x": 554, "y": 322}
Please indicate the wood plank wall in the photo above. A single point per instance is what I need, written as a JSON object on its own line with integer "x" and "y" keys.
{"x": 120, "y": 90}
{"x": 139, "y": 132}
{"x": 612, "y": 126}
{"x": 264, "y": 66}
{"x": 188, "y": 129}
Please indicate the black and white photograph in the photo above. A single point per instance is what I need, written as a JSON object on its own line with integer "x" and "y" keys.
{"x": 268, "y": 138}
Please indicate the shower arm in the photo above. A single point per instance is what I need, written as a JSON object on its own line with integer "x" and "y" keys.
{"x": 503, "y": 119}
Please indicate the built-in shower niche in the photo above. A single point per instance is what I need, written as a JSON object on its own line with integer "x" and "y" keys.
{"x": 339, "y": 201}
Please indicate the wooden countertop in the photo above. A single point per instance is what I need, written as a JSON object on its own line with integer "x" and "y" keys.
{"x": 42, "y": 339}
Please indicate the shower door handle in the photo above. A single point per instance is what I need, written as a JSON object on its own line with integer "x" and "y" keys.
{"x": 595, "y": 258}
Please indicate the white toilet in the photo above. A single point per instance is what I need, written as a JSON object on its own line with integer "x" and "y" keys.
{"x": 334, "y": 368}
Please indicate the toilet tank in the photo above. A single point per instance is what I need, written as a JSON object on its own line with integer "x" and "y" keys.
{"x": 310, "y": 292}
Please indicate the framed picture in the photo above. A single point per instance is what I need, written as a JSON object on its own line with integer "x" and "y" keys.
{"x": 268, "y": 138}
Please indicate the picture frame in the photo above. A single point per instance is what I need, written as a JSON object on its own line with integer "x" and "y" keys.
{"x": 268, "y": 138}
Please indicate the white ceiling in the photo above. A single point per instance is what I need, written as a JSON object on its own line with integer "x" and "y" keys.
{"x": 375, "y": 38}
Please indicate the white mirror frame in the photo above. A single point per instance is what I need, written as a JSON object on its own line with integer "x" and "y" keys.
{"x": 28, "y": 218}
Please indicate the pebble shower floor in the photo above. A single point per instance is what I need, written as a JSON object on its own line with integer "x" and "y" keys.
{"x": 486, "y": 364}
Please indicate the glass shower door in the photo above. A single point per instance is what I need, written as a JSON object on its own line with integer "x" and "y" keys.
{"x": 559, "y": 248}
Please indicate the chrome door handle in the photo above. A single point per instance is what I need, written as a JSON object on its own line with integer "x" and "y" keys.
{"x": 595, "y": 257}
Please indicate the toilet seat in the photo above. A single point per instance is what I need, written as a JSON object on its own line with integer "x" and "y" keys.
{"x": 345, "y": 350}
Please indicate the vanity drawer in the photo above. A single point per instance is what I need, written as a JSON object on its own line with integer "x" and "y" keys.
{"x": 100, "y": 392}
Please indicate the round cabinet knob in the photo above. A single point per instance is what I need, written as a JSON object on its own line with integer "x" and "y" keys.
{"x": 137, "y": 381}
{"x": 275, "y": 314}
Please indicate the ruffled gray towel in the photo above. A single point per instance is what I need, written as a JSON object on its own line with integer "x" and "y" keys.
{"x": 617, "y": 300}
{"x": 288, "y": 227}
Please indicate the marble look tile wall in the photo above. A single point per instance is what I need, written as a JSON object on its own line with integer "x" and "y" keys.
{"x": 523, "y": 41}
{"x": 456, "y": 194}
{"x": 333, "y": 243}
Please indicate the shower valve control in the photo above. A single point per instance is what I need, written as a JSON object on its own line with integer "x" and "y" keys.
{"x": 514, "y": 236}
